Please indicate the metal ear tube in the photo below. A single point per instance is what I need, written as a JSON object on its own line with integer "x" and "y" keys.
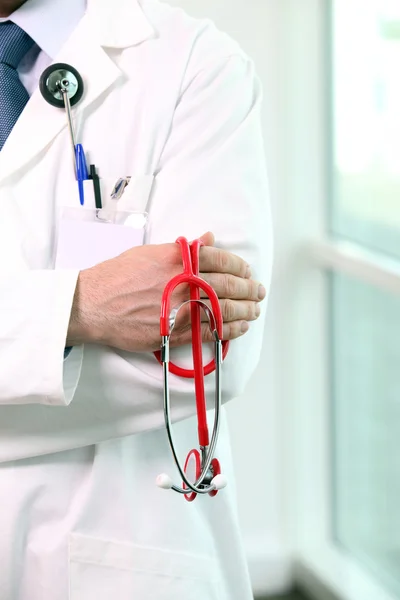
{"x": 209, "y": 480}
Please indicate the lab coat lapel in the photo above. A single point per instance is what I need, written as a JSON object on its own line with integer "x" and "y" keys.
{"x": 105, "y": 25}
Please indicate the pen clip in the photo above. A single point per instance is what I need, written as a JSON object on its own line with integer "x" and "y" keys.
{"x": 119, "y": 187}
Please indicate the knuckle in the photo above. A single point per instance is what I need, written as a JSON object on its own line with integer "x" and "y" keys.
{"x": 253, "y": 290}
{"x": 178, "y": 337}
{"x": 182, "y": 319}
{"x": 206, "y": 334}
{"x": 231, "y": 330}
{"x": 221, "y": 261}
{"x": 251, "y": 311}
{"x": 226, "y": 331}
{"x": 230, "y": 287}
{"x": 228, "y": 310}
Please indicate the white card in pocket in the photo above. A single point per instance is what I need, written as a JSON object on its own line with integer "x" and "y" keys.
{"x": 87, "y": 237}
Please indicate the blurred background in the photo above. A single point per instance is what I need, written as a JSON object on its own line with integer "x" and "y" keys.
{"x": 319, "y": 463}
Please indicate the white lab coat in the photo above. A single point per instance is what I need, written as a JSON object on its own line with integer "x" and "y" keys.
{"x": 175, "y": 104}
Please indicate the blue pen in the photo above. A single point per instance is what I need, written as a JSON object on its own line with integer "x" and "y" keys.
{"x": 81, "y": 171}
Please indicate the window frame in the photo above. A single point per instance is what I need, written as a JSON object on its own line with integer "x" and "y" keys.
{"x": 305, "y": 258}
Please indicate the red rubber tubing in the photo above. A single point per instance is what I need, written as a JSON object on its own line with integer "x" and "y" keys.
{"x": 189, "y": 277}
{"x": 197, "y": 351}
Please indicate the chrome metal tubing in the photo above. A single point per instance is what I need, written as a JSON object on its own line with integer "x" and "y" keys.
{"x": 67, "y": 105}
{"x": 206, "y": 453}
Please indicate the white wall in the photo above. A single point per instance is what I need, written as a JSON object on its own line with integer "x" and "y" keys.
{"x": 257, "y": 26}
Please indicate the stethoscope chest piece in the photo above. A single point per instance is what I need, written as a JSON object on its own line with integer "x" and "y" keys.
{"x": 59, "y": 77}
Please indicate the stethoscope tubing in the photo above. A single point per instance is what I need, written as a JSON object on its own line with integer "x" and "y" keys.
{"x": 194, "y": 487}
{"x": 190, "y": 276}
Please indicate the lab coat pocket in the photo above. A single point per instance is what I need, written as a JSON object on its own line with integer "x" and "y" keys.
{"x": 136, "y": 194}
{"x": 102, "y": 569}
{"x": 86, "y": 235}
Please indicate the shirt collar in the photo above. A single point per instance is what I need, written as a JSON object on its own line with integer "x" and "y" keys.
{"x": 49, "y": 22}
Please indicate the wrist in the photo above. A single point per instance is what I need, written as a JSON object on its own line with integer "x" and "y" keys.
{"x": 81, "y": 329}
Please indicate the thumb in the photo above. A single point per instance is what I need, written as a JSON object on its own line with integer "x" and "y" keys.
{"x": 208, "y": 239}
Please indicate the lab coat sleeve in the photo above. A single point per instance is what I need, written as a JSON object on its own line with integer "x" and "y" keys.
{"x": 211, "y": 176}
{"x": 35, "y": 308}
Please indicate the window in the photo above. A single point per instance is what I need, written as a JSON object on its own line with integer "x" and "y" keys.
{"x": 366, "y": 123}
{"x": 365, "y": 195}
{"x": 366, "y": 422}
{"x": 341, "y": 381}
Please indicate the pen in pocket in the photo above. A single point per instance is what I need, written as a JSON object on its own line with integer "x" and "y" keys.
{"x": 81, "y": 171}
{"x": 96, "y": 187}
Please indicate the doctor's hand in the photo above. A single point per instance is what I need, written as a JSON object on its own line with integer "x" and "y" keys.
{"x": 117, "y": 303}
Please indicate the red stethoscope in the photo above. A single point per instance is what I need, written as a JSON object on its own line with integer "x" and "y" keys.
{"x": 201, "y": 473}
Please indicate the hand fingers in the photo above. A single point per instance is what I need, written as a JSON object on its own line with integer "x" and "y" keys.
{"x": 235, "y": 310}
{"x": 208, "y": 239}
{"x": 215, "y": 260}
{"x": 232, "y": 310}
{"x": 231, "y": 331}
{"x": 230, "y": 287}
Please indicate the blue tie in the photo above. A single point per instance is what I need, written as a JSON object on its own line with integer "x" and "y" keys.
{"x": 14, "y": 44}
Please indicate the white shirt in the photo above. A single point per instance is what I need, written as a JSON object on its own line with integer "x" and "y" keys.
{"x": 49, "y": 23}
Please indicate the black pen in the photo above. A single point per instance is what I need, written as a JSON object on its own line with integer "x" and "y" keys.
{"x": 96, "y": 186}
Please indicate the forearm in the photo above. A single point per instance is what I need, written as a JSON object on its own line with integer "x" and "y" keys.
{"x": 119, "y": 394}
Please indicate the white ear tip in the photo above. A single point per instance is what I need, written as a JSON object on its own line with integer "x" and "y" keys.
{"x": 164, "y": 481}
{"x": 219, "y": 482}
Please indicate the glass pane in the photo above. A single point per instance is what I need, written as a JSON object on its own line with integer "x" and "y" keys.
{"x": 366, "y": 413}
{"x": 366, "y": 127}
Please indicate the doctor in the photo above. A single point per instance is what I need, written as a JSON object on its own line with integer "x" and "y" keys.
{"x": 175, "y": 104}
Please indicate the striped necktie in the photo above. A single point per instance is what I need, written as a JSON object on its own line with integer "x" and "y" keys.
{"x": 14, "y": 44}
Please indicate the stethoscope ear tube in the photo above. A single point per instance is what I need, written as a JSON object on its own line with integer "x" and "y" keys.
{"x": 208, "y": 477}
